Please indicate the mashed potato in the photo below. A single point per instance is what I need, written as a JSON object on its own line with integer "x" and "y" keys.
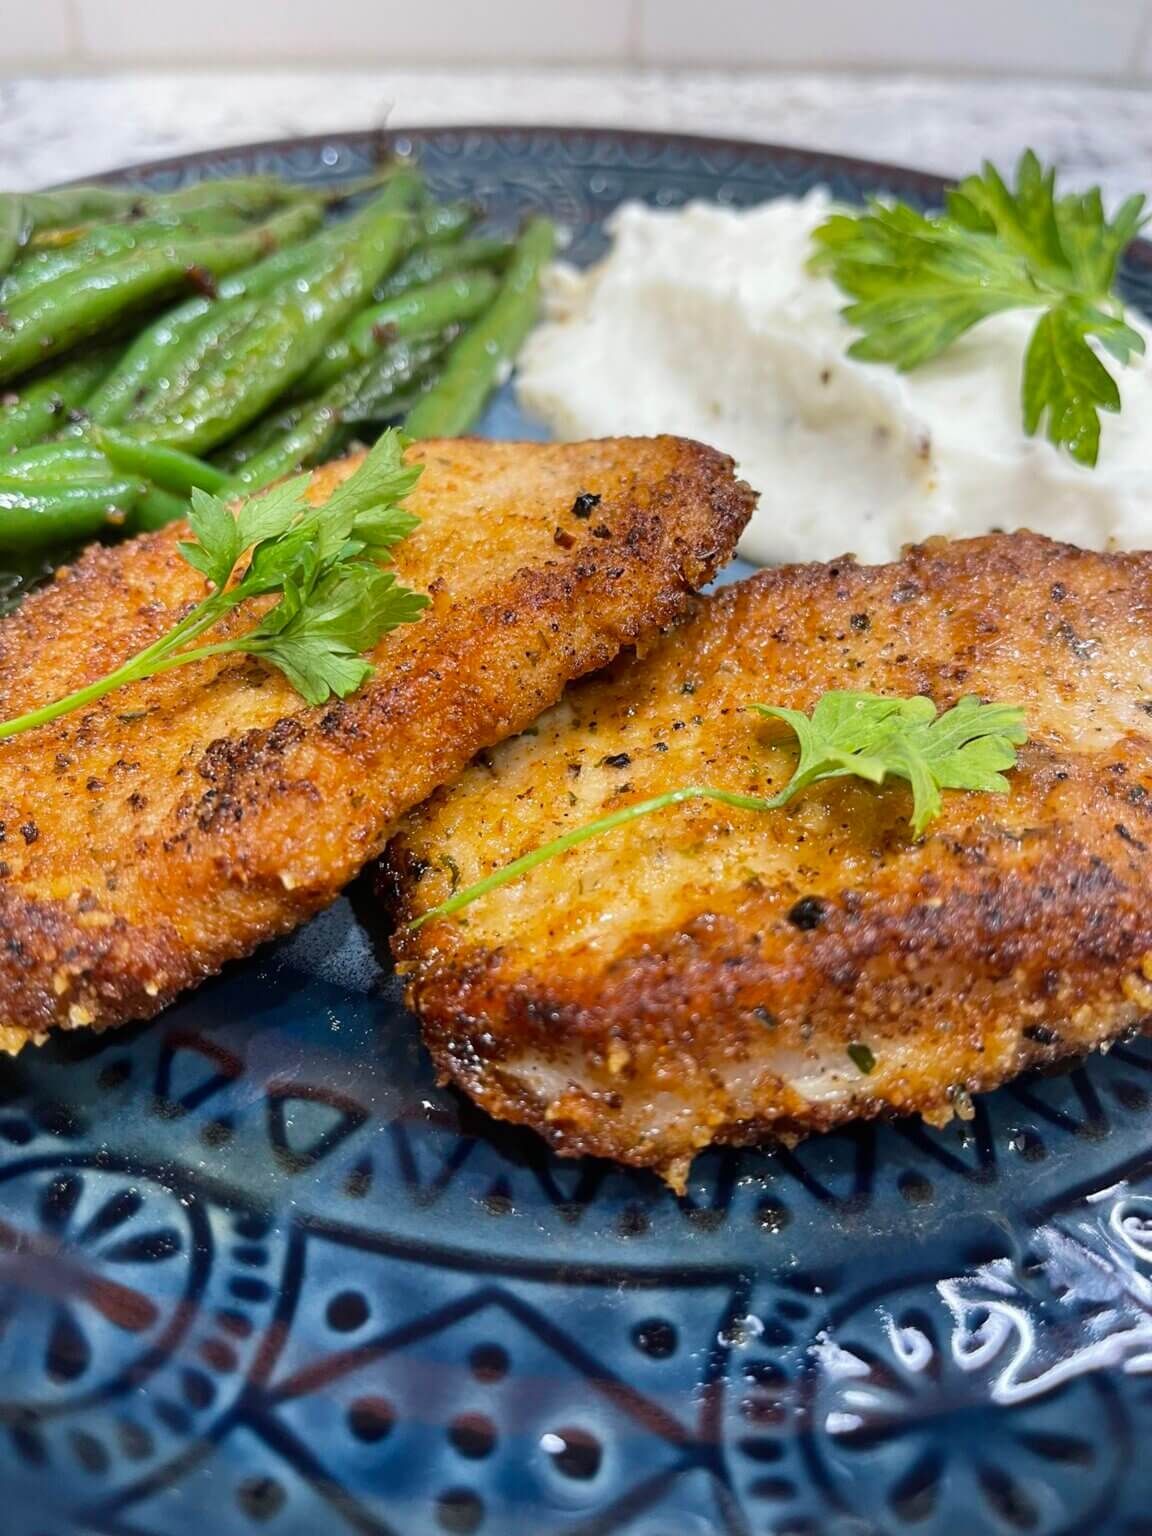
{"x": 707, "y": 322}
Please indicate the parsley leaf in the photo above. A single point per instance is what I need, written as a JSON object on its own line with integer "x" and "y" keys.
{"x": 862, "y": 1057}
{"x": 317, "y": 639}
{"x": 863, "y": 735}
{"x": 325, "y": 565}
{"x": 919, "y": 281}
{"x": 872, "y": 737}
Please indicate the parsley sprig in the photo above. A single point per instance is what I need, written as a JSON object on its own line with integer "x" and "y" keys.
{"x": 918, "y": 281}
{"x": 325, "y": 566}
{"x": 861, "y": 735}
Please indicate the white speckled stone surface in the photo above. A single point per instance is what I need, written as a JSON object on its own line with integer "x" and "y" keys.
{"x": 52, "y": 129}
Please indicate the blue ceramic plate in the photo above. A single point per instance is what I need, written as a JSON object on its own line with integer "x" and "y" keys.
{"x": 258, "y": 1274}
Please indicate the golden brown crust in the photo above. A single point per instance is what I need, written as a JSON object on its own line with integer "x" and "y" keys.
{"x": 180, "y": 821}
{"x": 700, "y": 975}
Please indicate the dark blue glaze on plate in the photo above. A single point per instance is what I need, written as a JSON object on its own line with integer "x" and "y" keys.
{"x": 258, "y": 1274}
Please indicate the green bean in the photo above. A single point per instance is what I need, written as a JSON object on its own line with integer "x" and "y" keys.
{"x": 441, "y": 222}
{"x": 44, "y": 266}
{"x": 260, "y": 435}
{"x": 476, "y": 362}
{"x": 156, "y": 509}
{"x": 416, "y": 312}
{"x": 160, "y": 350}
{"x": 64, "y": 462}
{"x": 167, "y": 468}
{"x": 42, "y": 404}
{"x": 283, "y": 341}
{"x": 319, "y": 422}
{"x": 303, "y": 445}
{"x": 202, "y": 341}
{"x": 238, "y": 194}
{"x": 76, "y": 205}
{"x": 74, "y": 307}
{"x": 14, "y": 228}
{"x": 427, "y": 263}
{"x": 143, "y": 359}
{"x": 155, "y": 348}
{"x": 39, "y": 512}
{"x": 396, "y": 376}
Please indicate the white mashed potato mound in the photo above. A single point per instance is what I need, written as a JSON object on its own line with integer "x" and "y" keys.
{"x": 706, "y": 322}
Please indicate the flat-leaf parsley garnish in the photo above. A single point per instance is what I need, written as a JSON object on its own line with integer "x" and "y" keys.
{"x": 863, "y": 735}
{"x": 920, "y": 280}
{"x": 325, "y": 566}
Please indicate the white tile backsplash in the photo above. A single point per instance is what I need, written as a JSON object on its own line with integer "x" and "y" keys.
{"x": 32, "y": 35}
{"x": 1108, "y": 39}
{"x": 366, "y": 33}
{"x": 1041, "y": 37}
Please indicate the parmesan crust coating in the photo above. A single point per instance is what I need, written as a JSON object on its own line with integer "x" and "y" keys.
{"x": 712, "y": 975}
{"x": 173, "y": 826}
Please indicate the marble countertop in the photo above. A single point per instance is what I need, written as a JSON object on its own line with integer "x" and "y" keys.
{"x": 53, "y": 129}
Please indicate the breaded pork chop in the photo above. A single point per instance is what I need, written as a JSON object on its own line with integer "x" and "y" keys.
{"x": 706, "y": 974}
{"x": 180, "y": 821}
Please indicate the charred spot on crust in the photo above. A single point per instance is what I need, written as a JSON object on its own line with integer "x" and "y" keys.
{"x": 585, "y": 503}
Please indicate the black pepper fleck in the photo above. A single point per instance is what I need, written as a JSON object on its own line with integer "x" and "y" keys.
{"x": 1041, "y": 1034}
{"x": 807, "y": 913}
{"x": 584, "y": 503}
{"x": 617, "y": 760}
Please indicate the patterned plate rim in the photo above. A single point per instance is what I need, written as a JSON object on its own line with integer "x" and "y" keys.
{"x": 382, "y": 140}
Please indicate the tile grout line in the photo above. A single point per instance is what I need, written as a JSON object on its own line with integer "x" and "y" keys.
{"x": 76, "y": 53}
{"x": 1140, "y": 42}
{"x": 634, "y": 47}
